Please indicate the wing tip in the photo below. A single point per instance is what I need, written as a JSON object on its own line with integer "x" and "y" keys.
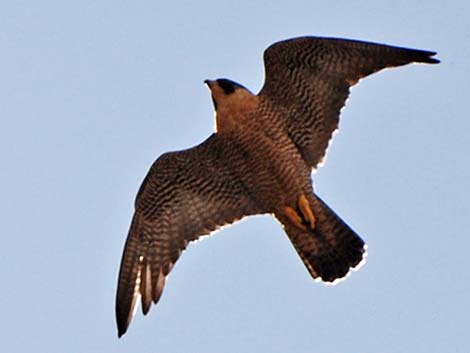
{"x": 127, "y": 297}
{"x": 125, "y": 310}
{"x": 121, "y": 331}
{"x": 427, "y": 57}
{"x": 122, "y": 323}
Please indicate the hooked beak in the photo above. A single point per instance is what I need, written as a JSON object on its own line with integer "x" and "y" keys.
{"x": 208, "y": 82}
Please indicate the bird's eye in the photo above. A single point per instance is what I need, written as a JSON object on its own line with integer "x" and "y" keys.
{"x": 227, "y": 86}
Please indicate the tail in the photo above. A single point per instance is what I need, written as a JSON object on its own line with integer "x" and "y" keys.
{"x": 332, "y": 249}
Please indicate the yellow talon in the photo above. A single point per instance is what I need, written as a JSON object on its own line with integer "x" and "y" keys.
{"x": 294, "y": 217}
{"x": 306, "y": 211}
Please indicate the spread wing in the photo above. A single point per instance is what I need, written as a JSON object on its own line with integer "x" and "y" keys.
{"x": 308, "y": 80}
{"x": 185, "y": 195}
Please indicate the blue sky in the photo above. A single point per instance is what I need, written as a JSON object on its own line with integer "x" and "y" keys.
{"x": 92, "y": 92}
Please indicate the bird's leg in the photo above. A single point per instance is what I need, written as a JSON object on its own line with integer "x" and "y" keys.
{"x": 306, "y": 211}
{"x": 304, "y": 216}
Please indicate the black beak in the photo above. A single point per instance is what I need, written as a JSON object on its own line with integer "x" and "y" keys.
{"x": 208, "y": 82}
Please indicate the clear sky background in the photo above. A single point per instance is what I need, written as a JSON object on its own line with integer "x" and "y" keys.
{"x": 92, "y": 92}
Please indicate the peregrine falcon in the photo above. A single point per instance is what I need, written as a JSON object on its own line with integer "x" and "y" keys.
{"x": 258, "y": 161}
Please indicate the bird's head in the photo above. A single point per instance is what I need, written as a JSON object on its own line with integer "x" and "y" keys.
{"x": 226, "y": 93}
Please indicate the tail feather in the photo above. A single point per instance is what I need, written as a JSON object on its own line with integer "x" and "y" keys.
{"x": 332, "y": 249}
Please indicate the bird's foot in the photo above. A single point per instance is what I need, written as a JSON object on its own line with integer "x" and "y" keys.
{"x": 306, "y": 211}
{"x": 303, "y": 218}
{"x": 294, "y": 217}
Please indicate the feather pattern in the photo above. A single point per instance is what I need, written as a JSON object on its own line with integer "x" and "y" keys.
{"x": 308, "y": 79}
{"x": 259, "y": 161}
{"x": 185, "y": 195}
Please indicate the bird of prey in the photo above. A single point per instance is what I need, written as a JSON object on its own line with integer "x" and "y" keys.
{"x": 258, "y": 161}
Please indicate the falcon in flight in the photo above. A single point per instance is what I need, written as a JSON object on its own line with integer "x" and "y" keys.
{"x": 258, "y": 161}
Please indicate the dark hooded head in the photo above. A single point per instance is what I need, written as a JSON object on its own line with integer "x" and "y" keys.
{"x": 222, "y": 88}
